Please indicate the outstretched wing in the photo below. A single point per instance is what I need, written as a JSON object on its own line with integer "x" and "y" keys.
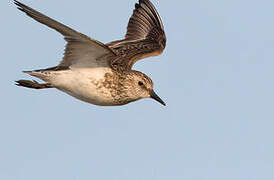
{"x": 145, "y": 37}
{"x": 81, "y": 50}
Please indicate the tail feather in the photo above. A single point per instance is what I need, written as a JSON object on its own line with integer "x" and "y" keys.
{"x": 33, "y": 84}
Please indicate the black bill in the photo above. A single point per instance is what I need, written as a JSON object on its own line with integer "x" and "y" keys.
{"x": 153, "y": 95}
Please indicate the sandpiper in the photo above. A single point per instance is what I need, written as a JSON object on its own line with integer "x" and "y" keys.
{"x": 98, "y": 73}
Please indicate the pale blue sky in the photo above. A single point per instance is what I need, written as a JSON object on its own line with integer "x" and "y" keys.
{"x": 216, "y": 76}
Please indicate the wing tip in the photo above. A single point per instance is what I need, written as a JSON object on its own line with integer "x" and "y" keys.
{"x": 20, "y": 6}
{"x": 17, "y": 3}
{"x": 143, "y": 20}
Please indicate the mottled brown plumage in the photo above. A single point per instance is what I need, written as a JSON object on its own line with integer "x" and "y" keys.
{"x": 145, "y": 37}
{"x": 102, "y": 73}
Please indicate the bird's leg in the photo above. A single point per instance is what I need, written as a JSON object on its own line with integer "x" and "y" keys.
{"x": 33, "y": 84}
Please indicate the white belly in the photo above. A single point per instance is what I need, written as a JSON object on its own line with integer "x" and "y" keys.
{"x": 84, "y": 84}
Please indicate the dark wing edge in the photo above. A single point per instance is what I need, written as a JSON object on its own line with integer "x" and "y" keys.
{"x": 144, "y": 22}
{"x": 70, "y": 35}
{"x": 145, "y": 35}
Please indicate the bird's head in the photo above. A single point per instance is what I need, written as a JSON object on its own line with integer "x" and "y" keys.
{"x": 140, "y": 86}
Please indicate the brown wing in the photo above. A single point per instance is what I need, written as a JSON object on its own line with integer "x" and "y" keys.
{"x": 145, "y": 37}
{"x": 81, "y": 50}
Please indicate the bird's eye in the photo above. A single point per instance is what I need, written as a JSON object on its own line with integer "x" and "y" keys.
{"x": 140, "y": 83}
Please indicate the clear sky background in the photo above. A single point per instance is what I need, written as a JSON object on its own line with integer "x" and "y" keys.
{"x": 216, "y": 76}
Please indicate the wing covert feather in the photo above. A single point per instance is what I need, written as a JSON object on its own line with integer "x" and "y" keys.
{"x": 145, "y": 37}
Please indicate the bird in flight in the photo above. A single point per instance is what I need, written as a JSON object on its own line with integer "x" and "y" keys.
{"x": 98, "y": 73}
